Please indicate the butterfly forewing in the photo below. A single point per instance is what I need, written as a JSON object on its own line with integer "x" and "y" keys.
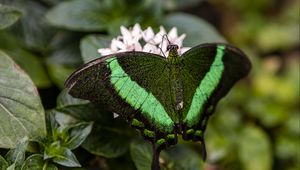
{"x": 209, "y": 71}
{"x": 133, "y": 84}
{"x": 196, "y": 63}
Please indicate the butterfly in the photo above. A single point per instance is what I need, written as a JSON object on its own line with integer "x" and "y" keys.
{"x": 162, "y": 97}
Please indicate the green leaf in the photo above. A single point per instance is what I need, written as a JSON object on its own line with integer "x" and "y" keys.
{"x": 103, "y": 15}
{"x": 287, "y": 141}
{"x": 16, "y": 156}
{"x": 90, "y": 44}
{"x": 179, "y": 157}
{"x": 286, "y": 37}
{"x": 111, "y": 140}
{"x": 3, "y": 163}
{"x": 141, "y": 154}
{"x": 197, "y": 30}
{"x": 32, "y": 29}
{"x": 37, "y": 161}
{"x": 51, "y": 2}
{"x": 286, "y": 146}
{"x": 65, "y": 58}
{"x": 254, "y": 149}
{"x": 66, "y": 158}
{"x": 28, "y": 61}
{"x": 52, "y": 126}
{"x": 11, "y": 167}
{"x": 21, "y": 111}
{"x": 57, "y": 121}
{"x": 184, "y": 158}
{"x": 64, "y": 99}
{"x": 107, "y": 132}
{"x": 179, "y": 4}
{"x": 59, "y": 73}
{"x": 61, "y": 155}
{"x": 67, "y": 130}
{"x": 123, "y": 162}
{"x": 221, "y": 134}
{"x": 8, "y": 16}
{"x": 77, "y": 134}
{"x": 78, "y": 15}
{"x": 31, "y": 65}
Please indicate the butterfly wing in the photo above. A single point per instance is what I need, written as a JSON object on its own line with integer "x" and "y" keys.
{"x": 132, "y": 84}
{"x": 209, "y": 71}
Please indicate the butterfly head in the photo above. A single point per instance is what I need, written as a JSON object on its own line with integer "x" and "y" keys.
{"x": 172, "y": 47}
{"x": 173, "y": 52}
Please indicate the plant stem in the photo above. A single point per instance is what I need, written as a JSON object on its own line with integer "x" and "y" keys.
{"x": 155, "y": 158}
{"x": 204, "y": 153}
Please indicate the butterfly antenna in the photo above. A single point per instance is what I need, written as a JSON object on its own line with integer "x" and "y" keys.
{"x": 152, "y": 43}
{"x": 162, "y": 51}
{"x": 165, "y": 36}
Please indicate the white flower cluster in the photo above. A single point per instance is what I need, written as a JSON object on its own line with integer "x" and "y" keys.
{"x": 136, "y": 39}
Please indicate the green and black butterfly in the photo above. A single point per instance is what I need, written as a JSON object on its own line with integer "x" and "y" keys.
{"x": 162, "y": 97}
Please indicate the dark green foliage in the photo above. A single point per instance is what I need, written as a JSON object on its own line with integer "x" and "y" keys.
{"x": 62, "y": 138}
{"x": 106, "y": 133}
{"x": 36, "y": 161}
{"x": 15, "y": 157}
{"x": 8, "y": 16}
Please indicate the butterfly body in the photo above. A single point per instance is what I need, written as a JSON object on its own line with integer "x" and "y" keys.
{"x": 162, "y": 97}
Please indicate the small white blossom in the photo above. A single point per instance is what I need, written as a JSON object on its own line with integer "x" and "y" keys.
{"x": 148, "y": 34}
{"x": 132, "y": 40}
{"x": 115, "y": 115}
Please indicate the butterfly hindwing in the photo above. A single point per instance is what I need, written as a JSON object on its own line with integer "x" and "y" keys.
{"x": 131, "y": 84}
{"x": 209, "y": 71}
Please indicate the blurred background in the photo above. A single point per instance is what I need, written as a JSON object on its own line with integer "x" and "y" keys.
{"x": 255, "y": 127}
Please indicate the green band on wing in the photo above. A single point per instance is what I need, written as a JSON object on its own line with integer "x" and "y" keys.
{"x": 206, "y": 88}
{"x": 138, "y": 97}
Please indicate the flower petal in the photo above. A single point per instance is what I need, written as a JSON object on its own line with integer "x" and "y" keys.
{"x": 158, "y": 38}
{"x": 126, "y": 34}
{"x": 172, "y": 35}
{"x": 137, "y": 47}
{"x": 183, "y": 50}
{"x": 150, "y": 48}
{"x": 116, "y": 115}
{"x": 148, "y": 34}
{"x": 136, "y": 31}
{"x": 179, "y": 40}
{"x": 117, "y": 44}
{"x": 105, "y": 51}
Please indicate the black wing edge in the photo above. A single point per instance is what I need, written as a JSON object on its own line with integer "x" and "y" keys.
{"x": 72, "y": 78}
{"x": 243, "y": 57}
{"x": 229, "y": 47}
